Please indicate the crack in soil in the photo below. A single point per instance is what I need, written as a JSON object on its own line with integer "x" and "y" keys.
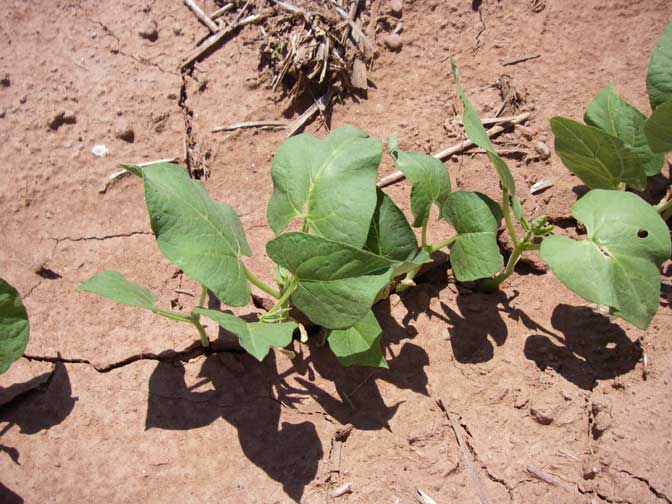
{"x": 188, "y": 114}
{"x": 657, "y": 493}
{"x": 101, "y": 238}
{"x": 484, "y": 467}
{"x": 189, "y": 353}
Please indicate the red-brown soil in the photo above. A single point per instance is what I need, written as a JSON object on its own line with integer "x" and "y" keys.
{"x": 533, "y": 376}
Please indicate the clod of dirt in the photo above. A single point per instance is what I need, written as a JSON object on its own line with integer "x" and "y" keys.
{"x": 5, "y": 81}
{"x": 395, "y": 7}
{"x": 393, "y": 42}
{"x": 149, "y": 30}
{"x": 23, "y": 99}
{"x": 62, "y": 118}
{"x": 123, "y": 130}
{"x": 542, "y": 149}
{"x": 602, "y": 420}
{"x": 536, "y": 264}
{"x": 544, "y": 409}
{"x": 3, "y": 113}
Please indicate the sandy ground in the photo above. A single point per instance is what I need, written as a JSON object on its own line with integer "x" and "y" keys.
{"x": 534, "y": 380}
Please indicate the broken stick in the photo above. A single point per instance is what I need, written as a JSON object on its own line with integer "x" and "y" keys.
{"x": 466, "y": 455}
{"x": 252, "y": 124}
{"x": 202, "y": 16}
{"x": 214, "y": 39}
{"x": 446, "y": 153}
{"x": 319, "y": 105}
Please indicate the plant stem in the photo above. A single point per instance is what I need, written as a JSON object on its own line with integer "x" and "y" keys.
{"x": 172, "y": 315}
{"x": 261, "y": 285}
{"x": 204, "y": 292}
{"x": 423, "y": 234}
{"x": 205, "y": 342}
{"x": 285, "y": 296}
{"x": 665, "y": 203}
{"x": 522, "y": 246}
{"x": 444, "y": 243}
{"x": 506, "y": 210}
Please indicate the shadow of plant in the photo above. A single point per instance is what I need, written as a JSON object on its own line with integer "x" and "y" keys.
{"x": 591, "y": 347}
{"x": 242, "y": 395}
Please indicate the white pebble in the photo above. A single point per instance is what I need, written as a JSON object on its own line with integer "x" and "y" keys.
{"x": 100, "y": 151}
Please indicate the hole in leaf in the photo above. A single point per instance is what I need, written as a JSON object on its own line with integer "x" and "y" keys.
{"x": 642, "y": 233}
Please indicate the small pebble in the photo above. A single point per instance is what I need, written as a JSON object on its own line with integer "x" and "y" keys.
{"x": 23, "y": 99}
{"x": 543, "y": 150}
{"x": 149, "y": 31}
{"x": 123, "y": 130}
{"x": 100, "y": 151}
{"x": 5, "y": 82}
{"x": 393, "y": 41}
{"x": 2, "y": 114}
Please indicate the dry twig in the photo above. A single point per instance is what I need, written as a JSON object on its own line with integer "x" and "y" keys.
{"x": 202, "y": 16}
{"x": 466, "y": 455}
{"x": 548, "y": 478}
{"x": 521, "y": 59}
{"x": 252, "y": 124}
{"x": 214, "y": 39}
{"x": 320, "y": 104}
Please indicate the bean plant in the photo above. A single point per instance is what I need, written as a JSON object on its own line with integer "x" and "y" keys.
{"x": 14, "y": 326}
{"x": 355, "y": 245}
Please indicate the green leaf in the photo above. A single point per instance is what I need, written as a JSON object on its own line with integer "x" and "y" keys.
{"x": 599, "y": 159}
{"x": 477, "y": 134}
{"x": 390, "y": 235}
{"x": 659, "y": 77}
{"x": 132, "y": 169}
{"x": 359, "y": 344}
{"x": 329, "y": 183}
{"x": 612, "y": 114}
{"x": 201, "y": 236}
{"x": 337, "y": 283}
{"x": 257, "y": 338}
{"x": 14, "y": 327}
{"x": 428, "y": 177}
{"x": 476, "y": 218}
{"x": 114, "y": 286}
{"x": 618, "y": 264}
{"x": 658, "y": 128}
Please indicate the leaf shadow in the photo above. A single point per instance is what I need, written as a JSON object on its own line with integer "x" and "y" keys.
{"x": 241, "y": 393}
{"x": 7, "y": 496}
{"x": 41, "y": 407}
{"x": 590, "y": 348}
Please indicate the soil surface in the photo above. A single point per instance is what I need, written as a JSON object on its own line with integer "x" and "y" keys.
{"x": 550, "y": 397}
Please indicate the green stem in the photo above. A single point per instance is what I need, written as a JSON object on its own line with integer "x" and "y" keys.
{"x": 204, "y": 292}
{"x": 506, "y": 210}
{"x": 172, "y": 315}
{"x": 444, "y": 243}
{"x": 665, "y": 203}
{"x": 522, "y": 246}
{"x": 423, "y": 234}
{"x": 283, "y": 299}
{"x": 205, "y": 342}
{"x": 261, "y": 285}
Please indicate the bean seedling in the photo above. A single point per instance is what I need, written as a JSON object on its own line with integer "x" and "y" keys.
{"x": 355, "y": 244}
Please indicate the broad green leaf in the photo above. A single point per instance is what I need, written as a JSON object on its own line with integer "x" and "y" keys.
{"x": 201, "y": 236}
{"x": 390, "y": 235}
{"x": 329, "y": 183}
{"x": 257, "y": 338}
{"x": 14, "y": 326}
{"x": 359, "y": 344}
{"x": 618, "y": 264}
{"x": 428, "y": 177}
{"x": 659, "y": 77}
{"x": 114, "y": 286}
{"x": 658, "y": 128}
{"x": 337, "y": 283}
{"x": 477, "y": 134}
{"x": 612, "y": 114}
{"x": 475, "y": 217}
{"x": 599, "y": 159}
